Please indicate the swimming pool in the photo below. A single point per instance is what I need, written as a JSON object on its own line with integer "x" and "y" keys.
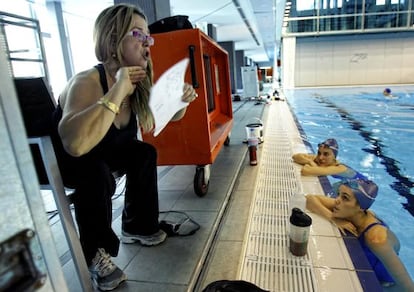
{"x": 376, "y": 137}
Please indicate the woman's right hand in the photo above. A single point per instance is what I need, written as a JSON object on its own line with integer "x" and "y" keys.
{"x": 130, "y": 76}
{"x": 345, "y": 225}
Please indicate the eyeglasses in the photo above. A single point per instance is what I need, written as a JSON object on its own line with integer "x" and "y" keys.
{"x": 142, "y": 37}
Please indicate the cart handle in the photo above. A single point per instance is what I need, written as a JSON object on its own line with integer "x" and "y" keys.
{"x": 191, "y": 50}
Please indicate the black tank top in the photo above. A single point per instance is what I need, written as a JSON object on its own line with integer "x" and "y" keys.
{"x": 113, "y": 137}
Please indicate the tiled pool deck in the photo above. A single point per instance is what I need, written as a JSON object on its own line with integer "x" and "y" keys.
{"x": 217, "y": 251}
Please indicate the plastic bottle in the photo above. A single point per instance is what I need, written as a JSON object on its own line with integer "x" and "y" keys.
{"x": 252, "y": 144}
{"x": 297, "y": 200}
{"x": 300, "y": 224}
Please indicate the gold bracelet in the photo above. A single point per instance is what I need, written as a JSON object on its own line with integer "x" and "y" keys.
{"x": 109, "y": 105}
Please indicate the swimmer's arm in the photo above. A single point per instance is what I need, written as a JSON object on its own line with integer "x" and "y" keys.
{"x": 321, "y": 205}
{"x": 304, "y": 158}
{"x": 323, "y": 170}
{"x": 376, "y": 239}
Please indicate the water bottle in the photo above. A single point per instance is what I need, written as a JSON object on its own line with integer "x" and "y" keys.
{"x": 297, "y": 200}
{"x": 252, "y": 143}
{"x": 299, "y": 232}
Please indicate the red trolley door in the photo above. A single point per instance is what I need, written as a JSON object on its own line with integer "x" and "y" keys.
{"x": 198, "y": 137}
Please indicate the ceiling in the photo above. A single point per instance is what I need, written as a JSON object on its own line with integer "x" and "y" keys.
{"x": 257, "y": 33}
{"x": 264, "y": 17}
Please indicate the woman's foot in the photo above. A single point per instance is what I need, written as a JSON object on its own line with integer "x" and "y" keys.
{"x": 105, "y": 274}
{"x": 145, "y": 240}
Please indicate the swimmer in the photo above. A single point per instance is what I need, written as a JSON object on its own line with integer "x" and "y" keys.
{"x": 349, "y": 211}
{"x": 388, "y": 95}
{"x": 325, "y": 162}
{"x": 387, "y": 92}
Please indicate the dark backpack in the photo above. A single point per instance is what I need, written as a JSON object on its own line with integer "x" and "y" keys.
{"x": 170, "y": 24}
{"x": 232, "y": 286}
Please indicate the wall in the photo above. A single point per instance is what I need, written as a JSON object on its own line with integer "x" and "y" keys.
{"x": 229, "y": 47}
{"x": 288, "y": 62}
{"x": 154, "y": 9}
{"x": 367, "y": 59}
{"x": 239, "y": 64}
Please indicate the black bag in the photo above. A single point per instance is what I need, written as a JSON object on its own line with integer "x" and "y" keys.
{"x": 170, "y": 24}
{"x": 178, "y": 223}
{"x": 232, "y": 286}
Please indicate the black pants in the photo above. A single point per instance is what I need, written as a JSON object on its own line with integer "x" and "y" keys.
{"x": 91, "y": 177}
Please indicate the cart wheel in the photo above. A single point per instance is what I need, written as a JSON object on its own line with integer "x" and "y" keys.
{"x": 227, "y": 141}
{"x": 201, "y": 180}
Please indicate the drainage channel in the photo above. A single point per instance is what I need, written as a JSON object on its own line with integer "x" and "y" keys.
{"x": 266, "y": 260}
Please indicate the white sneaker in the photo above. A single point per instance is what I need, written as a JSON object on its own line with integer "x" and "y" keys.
{"x": 105, "y": 274}
{"x": 146, "y": 240}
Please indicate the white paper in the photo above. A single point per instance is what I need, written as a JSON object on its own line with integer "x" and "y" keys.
{"x": 165, "y": 99}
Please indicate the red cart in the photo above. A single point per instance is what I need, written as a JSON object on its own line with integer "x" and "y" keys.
{"x": 199, "y": 136}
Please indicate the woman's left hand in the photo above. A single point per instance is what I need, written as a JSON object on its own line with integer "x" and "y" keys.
{"x": 189, "y": 93}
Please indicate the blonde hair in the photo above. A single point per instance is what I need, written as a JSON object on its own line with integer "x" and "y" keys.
{"x": 110, "y": 28}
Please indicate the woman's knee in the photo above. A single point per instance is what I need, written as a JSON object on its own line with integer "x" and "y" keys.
{"x": 96, "y": 178}
{"x": 151, "y": 151}
{"x": 145, "y": 152}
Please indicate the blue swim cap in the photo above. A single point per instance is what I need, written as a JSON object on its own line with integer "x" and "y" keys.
{"x": 331, "y": 144}
{"x": 365, "y": 191}
{"x": 387, "y": 90}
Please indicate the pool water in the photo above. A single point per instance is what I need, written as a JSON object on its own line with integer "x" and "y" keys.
{"x": 375, "y": 137}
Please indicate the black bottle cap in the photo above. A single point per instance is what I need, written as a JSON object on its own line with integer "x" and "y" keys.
{"x": 300, "y": 218}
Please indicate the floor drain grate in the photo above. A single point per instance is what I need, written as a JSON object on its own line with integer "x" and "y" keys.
{"x": 267, "y": 261}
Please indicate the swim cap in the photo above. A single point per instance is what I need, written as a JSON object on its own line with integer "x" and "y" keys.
{"x": 365, "y": 191}
{"x": 331, "y": 144}
{"x": 387, "y": 90}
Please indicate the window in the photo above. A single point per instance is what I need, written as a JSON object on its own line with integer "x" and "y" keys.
{"x": 305, "y": 5}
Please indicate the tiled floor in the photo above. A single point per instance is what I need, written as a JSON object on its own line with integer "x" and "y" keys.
{"x": 177, "y": 264}
{"x": 216, "y": 251}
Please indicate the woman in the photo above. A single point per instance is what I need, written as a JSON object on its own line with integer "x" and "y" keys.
{"x": 325, "y": 163}
{"x": 96, "y": 122}
{"x": 349, "y": 211}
